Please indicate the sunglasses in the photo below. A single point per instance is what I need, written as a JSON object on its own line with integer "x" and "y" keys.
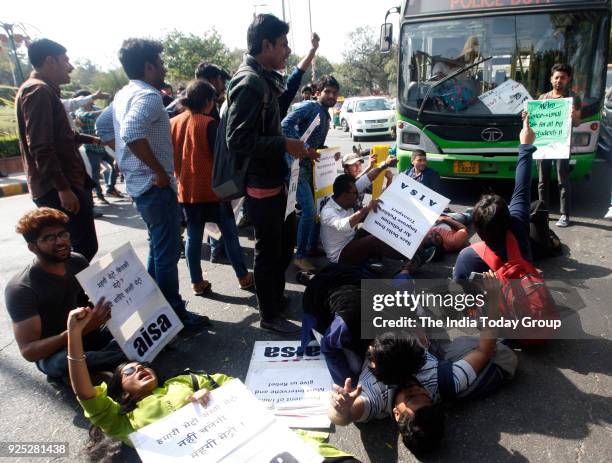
{"x": 129, "y": 371}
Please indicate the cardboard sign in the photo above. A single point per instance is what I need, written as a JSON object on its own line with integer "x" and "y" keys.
{"x": 551, "y": 120}
{"x": 408, "y": 209}
{"x": 295, "y": 384}
{"x": 325, "y": 172}
{"x": 142, "y": 322}
{"x": 382, "y": 153}
{"x": 295, "y": 169}
{"x": 507, "y": 98}
{"x": 233, "y": 427}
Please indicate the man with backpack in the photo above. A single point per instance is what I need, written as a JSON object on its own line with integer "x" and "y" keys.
{"x": 255, "y": 140}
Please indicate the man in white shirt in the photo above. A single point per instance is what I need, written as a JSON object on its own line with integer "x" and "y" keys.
{"x": 339, "y": 236}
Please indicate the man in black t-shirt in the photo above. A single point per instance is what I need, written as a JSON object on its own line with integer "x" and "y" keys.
{"x": 40, "y": 297}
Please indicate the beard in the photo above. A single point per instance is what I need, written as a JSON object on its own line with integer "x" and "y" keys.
{"x": 51, "y": 257}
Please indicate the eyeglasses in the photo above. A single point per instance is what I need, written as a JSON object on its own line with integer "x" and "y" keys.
{"x": 129, "y": 371}
{"x": 52, "y": 238}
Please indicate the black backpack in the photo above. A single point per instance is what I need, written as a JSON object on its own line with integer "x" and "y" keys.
{"x": 229, "y": 172}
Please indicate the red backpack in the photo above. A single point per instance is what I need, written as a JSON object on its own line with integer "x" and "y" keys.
{"x": 524, "y": 293}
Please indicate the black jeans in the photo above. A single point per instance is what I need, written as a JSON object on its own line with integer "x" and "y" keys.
{"x": 274, "y": 243}
{"x": 563, "y": 179}
{"x": 81, "y": 226}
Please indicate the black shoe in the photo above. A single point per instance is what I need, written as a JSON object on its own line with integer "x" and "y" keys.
{"x": 280, "y": 326}
{"x": 193, "y": 320}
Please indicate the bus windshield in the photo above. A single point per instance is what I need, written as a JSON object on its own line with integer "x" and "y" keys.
{"x": 520, "y": 50}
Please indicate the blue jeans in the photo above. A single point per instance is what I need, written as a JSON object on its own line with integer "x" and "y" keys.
{"x": 229, "y": 237}
{"x": 306, "y": 231}
{"x": 95, "y": 159}
{"x": 110, "y": 176}
{"x": 160, "y": 211}
{"x": 102, "y": 351}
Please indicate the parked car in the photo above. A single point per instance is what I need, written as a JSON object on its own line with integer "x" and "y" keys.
{"x": 367, "y": 117}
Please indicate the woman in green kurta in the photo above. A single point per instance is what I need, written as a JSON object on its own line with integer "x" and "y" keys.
{"x": 134, "y": 398}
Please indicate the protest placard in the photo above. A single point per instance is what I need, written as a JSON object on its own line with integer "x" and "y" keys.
{"x": 295, "y": 384}
{"x": 234, "y": 427}
{"x": 408, "y": 209}
{"x": 506, "y": 98}
{"x": 295, "y": 169}
{"x": 551, "y": 120}
{"x": 142, "y": 322}
{"x": 325, "y": 172}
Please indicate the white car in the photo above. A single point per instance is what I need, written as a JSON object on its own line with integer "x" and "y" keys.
{"x": 367, "y": 117}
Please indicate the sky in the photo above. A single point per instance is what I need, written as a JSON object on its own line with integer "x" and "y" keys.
{"x": 95, "y": 30}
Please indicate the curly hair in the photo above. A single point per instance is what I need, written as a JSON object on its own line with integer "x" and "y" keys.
{"x": 32, "y": 223}
{"x": 396, "y": 357}
{"x": 422, "y": 431}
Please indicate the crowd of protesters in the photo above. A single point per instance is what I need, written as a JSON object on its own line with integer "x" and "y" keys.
{"x": 164, "y": 147}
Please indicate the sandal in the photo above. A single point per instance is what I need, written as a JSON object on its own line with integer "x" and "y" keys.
{"x": 201, "y": 288}
{"x": 247, "y": 281}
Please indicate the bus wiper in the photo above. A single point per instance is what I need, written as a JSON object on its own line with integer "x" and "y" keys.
{"x": 448, "y": 77}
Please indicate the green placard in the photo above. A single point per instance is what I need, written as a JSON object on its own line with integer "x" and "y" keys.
{"x": 551, "y": 120}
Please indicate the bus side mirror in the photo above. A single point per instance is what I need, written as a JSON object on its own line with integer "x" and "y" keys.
{"x": 386, "y": 37}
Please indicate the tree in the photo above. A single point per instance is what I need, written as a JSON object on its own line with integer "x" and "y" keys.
{"x": 87, "y": 75}
{"x": 323, "y": 67}
{"x": 365, "y": 68}
{"x": 183, "y": 52}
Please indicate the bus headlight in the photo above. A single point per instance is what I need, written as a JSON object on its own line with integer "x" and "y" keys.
{"x": 411, "y": 138}
{"x": 581, "y": 139}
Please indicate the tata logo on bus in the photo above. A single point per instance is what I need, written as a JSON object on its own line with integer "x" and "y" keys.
{"x": 491, "y": 134}
{"x": 418, "y": 7}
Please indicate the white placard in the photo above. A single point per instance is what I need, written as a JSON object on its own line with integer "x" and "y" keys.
{"x": 234, "y": 427}
{"x": 142, "y": 322}
{"x": 296, "y": 387}
{"x": 506, "y": 98}
{"x": 408, "y": 209}
{"x": 295, "y": 169}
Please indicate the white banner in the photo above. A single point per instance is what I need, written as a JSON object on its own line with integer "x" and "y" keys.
{"x": 506, "y": 98}
{"x": 295, "y": 385}
{"x": 234, "y": 427}
{"x": 408, "y": 209}
{"x": 142, "y": 322}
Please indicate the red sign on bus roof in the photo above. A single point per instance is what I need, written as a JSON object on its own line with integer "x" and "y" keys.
{"x": 417, "y": 7}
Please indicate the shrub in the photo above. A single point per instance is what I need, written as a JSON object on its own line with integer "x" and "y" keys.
{"x": 9, "y": 146}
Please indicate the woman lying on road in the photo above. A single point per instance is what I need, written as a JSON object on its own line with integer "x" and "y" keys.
{"x": 134, "y": 399}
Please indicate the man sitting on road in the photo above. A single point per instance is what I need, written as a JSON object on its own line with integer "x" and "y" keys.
{"x": 339, "y": 236}
{"x": 421, "y": 173}
{"x": 40, "y": 297}
{"x": 403, "y": 379}
{"x": 352, "y": 163}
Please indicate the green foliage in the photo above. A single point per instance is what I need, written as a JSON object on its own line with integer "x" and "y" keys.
{"x": 9, "y": 146}
{"x": 323, "y": 67}
{"x": 183, "y": 52}
{"x": 8, "y": 122}
{"x": 365, "y": 70}
{"x": 87, "y": 75}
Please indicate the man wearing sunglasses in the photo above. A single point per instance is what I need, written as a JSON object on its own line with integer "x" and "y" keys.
{"x": 39, "y": 298}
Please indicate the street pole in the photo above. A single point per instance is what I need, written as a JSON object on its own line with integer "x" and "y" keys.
{"x": 314, "y": 60}
{"x": 283, "y": 3}
{"x": 17, "y": 72}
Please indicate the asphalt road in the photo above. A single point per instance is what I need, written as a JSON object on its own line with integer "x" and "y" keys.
{"x": 558, "y": 408}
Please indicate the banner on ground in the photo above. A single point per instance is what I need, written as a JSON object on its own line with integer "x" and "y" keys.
{"x": 325, "y": 172}
{"x": 233, "y": 427}
{"x": 408, "y": 209}
{"x": 507, "y": 98}
{"x": 551, "y": 120}
{"x": 295, "y": 384}
{"x": 142, "y": 322}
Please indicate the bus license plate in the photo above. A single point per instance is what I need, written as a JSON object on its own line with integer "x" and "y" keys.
{"x": 466, "y": 167}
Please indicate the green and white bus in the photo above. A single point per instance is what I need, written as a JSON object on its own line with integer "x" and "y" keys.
{"x": 453, "y": 54}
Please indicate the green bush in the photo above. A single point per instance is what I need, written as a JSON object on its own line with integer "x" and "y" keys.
{"x": 9, "y": 146}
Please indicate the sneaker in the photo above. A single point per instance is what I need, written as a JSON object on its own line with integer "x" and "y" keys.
{"x": 563, "y": 222}
{"x": 608, "y": 214}
{"x": 280, "y": 326}
{"x": 303, "y": 264}
{"x": 201, "y": 288}
{"x": 114, "y": 193}
{"x": 193, "y": 320}
{"x": 247, "y": 281}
